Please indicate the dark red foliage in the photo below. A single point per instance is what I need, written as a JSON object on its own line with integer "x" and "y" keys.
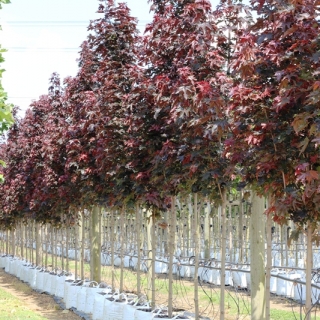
{"x": 204, "y": 98}
{"x": 275, "y": 106}
{"x": 95, "y": 98}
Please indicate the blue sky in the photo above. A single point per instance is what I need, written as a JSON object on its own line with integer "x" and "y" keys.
{"x": 43, "y": 36}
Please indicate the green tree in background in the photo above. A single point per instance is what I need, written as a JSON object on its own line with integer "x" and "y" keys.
{"x": 6, "y": 118}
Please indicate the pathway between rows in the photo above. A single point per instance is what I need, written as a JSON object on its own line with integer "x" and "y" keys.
{"x": 42, "y": 304}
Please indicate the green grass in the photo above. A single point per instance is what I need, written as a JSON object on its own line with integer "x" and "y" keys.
{"x": 288, "y": 315}
{"x": 13, "y": 308}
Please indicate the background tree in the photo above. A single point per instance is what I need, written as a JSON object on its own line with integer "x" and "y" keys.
{"x": 6, "y": 117}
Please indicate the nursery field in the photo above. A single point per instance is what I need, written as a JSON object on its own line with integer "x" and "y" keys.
{"x": 177, "y": 174}
{"x": 34, "y": 253}
{"x": 19, "y": 302}
{"x": 22, "y": 302}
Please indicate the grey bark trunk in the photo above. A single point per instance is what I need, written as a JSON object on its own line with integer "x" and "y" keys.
{"x": 172, "y": 222}
{"x": 96, "y": 245}
{"x": 269, "y": 263}
{"x": 121, "y": 248}
{"x": 309, "y": 262}
{"x": 38, "y": 244}
{"x": 112, "y": 250}
{"x": 257, "y": 259}
{"x": 138, "y": 235}
{"x": 223, "y": 252}
{"x": 82, "y": 244}
{"x": 207, "y": 235}
{"x": 196, "y": 254}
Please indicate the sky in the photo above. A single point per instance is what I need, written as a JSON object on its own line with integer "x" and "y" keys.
{"x": 42, "y": 37}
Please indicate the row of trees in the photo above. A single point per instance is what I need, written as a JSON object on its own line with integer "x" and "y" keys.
{"x": 204, "y": 100}
{"x": 208, "y": 100}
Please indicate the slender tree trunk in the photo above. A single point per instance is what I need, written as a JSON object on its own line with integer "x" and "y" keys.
{"x": 309, "y": 262}
{"x": 257, "y": 259}
{"x": 281, "y": 246}
{"x": 240, "y": 231}
{"x": 33, "y": 232}
{"x": 31, "y": 242}
{"x": 165, "y": 235}
{"x": 96, "y": 244}
{"x": 91, "y": 242}
{"x": 52, "y": 246}
{"x": 214, "y": 231}
{"x": 191, "y": 224}
{"x": 286, "y": 245}
{"x": 82, "y": 244}
{"x": 13, "y": 246}
{"x": 223, "y": 252}
{"x": 196, "y": 254}
{"x": 112, "y": 250}
{"x": 149, "y": 252}
{"x": 219, "y": 229}
{"x": 246, "y": 236}
{"x": 46, "y": 246}
{"x": 207, "y": 240}
{"x": 26, "y": 241}
{"x": 188, "y": 223}
{"x": 56, "y": 248}
{"x": 172, "y": 222}
{"x": 153, "y": 262}
{"x": 269, "y": 263}
{"x": 21, "y": 239}
{"x": 230, "y": 230}
{"x": 43, "y": 246}
{"x": 67, "y": 246}
{"x": 121, "y": 248}
{"x": 76, "y": 244}
{"x": 138, "y": 233}
{"x": 38, "y": 244}
{"x": 185, "y": 230}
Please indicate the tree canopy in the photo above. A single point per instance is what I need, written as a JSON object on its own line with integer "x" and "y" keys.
{"x": 206, "y": 98}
